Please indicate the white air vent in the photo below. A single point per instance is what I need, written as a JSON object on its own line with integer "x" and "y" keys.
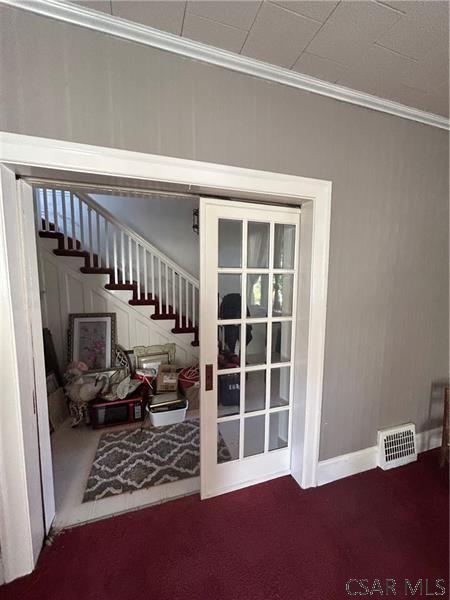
{"x": 397, "y": 446}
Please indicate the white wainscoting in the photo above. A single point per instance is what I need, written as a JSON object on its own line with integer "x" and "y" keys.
{"x": 65, "y": 290}
{"x": 353, "y": 463}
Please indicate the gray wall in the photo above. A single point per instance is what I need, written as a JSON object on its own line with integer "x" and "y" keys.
{"x": 387, "y": 322}
{"x": 165, "y": 222}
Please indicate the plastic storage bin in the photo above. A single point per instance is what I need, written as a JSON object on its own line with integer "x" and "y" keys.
{"x": 168, "y": 417}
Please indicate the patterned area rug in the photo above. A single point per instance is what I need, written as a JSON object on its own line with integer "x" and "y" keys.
{"x": 134, "y": 459}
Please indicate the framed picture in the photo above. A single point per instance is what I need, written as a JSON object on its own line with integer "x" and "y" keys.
{"x": 152, "y": 362}
{"x": 92, "y": 339}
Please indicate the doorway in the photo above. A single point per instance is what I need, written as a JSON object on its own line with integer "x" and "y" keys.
{"x": 22, "y": 515}
{"x": 105, "y": 264}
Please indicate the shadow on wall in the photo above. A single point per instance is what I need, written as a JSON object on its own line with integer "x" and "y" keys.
{"x": 436, "y": 406}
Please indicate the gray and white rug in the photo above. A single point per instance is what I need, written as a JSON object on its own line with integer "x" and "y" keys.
{"x": 134, "y": 459}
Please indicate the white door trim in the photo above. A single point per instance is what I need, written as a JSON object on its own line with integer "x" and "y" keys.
{"x": 200, "y": 177}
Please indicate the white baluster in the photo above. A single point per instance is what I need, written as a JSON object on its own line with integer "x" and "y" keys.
{"x": 173, "y": 291}
{"x": 116, "y": 275}
{"x": 72, "y": 216}
{"x": 167, "y": 287}
{"x": 99, "y": 247}
{"x": 91, "y": 250}
{"x": 122, "y": 252}
{"x": 46, "y": 210}
{"x": 130, "y": 261}
{"x": 180, "y": 308}
{"x": 55, "y": 210}
{"x": 80, "y": 209}
{"x": 145, "y": 274}
{"x": 107, "y": 243}
{"x": 64, "y": 216}
{"x": 153, "y": 276}
{"x": 186, "y": 319}
{"x": 193, "y": 305}
{"x": 138, "y": 273}
{"x": 159, "y": 286}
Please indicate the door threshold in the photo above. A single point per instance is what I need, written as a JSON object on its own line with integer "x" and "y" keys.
{"x": 104, "y": 508}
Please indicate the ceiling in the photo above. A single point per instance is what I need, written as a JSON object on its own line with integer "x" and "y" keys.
{"x": 398, "y": 50}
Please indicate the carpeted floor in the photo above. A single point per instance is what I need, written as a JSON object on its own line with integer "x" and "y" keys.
{"x": 268, "y": 542}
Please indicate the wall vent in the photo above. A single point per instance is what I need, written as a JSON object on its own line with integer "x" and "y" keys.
{"x": 397, "y": 446}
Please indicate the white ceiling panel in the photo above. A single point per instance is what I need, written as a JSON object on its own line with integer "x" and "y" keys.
{"x": 351, "y": 28}
{"x": 422, "y": 31}
{"x": 213, "y": 33}
{"x": 278, "y": 36}
{"x": 322, "y": 68}
{"x": 239, "y": 14}
{"x": 319, "y": 10}
{"x": 167, "y": 16}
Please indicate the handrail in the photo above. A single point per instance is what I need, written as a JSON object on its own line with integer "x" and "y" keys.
{"x": 138, "y": 238}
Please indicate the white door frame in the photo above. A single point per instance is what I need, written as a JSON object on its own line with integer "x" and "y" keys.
{"x": 19, "y": 151}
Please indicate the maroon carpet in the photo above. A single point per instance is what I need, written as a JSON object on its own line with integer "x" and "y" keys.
{"x": 268, "y": 542}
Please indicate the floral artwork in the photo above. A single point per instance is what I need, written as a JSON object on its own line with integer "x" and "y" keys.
{"x": 92, "y": 339}
{"x": 92, "y": 344}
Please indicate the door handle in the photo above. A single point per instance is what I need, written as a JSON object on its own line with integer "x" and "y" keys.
{"x": 209, "y": 385}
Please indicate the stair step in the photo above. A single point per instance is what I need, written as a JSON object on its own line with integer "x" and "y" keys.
{"x": 120, "y": 286}
{"x": 58, "y": 235}
{"x": 53, "y": 235}
{"x": 195, "y": 343}
{"x": 184, "y": 330}
{"x": 164, "y": 316}
{"x": 77, "y": 253}
{"x": 96, "y": 271}
{"x": 143, "y": 302}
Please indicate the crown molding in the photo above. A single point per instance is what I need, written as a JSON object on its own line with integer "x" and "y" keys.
{"x": 104, "y": 23}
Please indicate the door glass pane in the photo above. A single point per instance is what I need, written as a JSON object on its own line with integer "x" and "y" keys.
{"x": 228, "y": 394}
{"x": 279, "y": 386}
{"x": 281, "y": 342}
{"x": 227, "y": 441}
{"x": 284, "y": 246}
{"x": 258, "y": 245}
{"x": 229, "y": 287}
{"x": 278, "y": 429}
{"x": 230, "y": 243}
{"x": 256, "y": 344}
{"x": 257, "y": 295}
{"x": 282, "y": 295}
{"x": 255, "y": 390}
{"x": 228, "y": 337}
{"x": 254, "y": 435}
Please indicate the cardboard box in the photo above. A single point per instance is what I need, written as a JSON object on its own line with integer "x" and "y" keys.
{"x": 167, "y": 379}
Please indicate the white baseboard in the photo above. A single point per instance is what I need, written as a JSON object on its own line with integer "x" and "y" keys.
{"x": 345, "y": 465}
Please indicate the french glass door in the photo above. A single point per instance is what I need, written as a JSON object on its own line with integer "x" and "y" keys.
{"x": 248, "y": 285}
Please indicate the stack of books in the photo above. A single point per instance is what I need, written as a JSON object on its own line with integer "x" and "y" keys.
{"x": 166, "y": 402}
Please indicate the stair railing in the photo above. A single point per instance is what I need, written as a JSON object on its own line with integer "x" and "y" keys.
{"x": 130, "y": 259}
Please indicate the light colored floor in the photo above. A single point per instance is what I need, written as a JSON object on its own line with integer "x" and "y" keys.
{"x": 73, "y": 451}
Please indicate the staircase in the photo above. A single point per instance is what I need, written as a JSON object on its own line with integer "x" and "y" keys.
{"x": 83, "y": 229}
